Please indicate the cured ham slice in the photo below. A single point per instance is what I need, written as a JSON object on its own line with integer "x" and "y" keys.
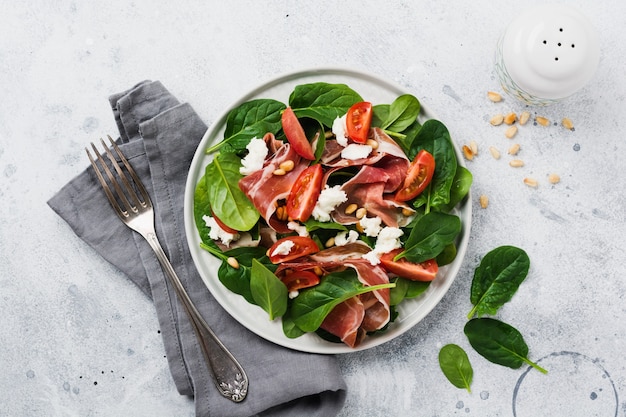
{"x": 344, "y": 321}
{"x": 264, "y": 188}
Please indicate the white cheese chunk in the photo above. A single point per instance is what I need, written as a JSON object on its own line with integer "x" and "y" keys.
{"x": 356, "y": 151}
{"x": 371, "y": 226}
{"x": 388, "y": 240}
{"x": 217, "y": 233}
{"x": 343, "y": 238}
{"x": 329, "y": 198}
{"x": 339, "y": 130}
{"x": 257, "y": 152}
{"x": 283, "y": 248}
{"x": 300, "y": 229}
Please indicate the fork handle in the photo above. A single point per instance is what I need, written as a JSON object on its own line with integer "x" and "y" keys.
{"x": 228, "y": 375}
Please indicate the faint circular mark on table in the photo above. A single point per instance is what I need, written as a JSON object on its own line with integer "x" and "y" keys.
{"x": 574, "y": 385}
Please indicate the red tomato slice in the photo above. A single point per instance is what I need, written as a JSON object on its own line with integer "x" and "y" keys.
{"x": 425, "y": 271}
{"x": 420, "y": 174}
{"x": 223, "y": 226}
{"x": 304, "y": 193}
{"x": 297, "y": 280}
{"x": 302, "y": 246}
{"x": 358, "y": 121}
{"x": 295, "y": 134}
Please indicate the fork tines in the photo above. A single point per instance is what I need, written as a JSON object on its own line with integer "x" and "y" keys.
{"x": 124, "y": 196}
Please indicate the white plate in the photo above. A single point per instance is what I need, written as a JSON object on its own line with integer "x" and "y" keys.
{"x": 411, "y": 311}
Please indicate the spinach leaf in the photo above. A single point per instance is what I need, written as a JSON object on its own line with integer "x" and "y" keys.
{"x": 250, "y": 119}
{"x": 380, "y": 113}
{"x": 460, "y": 188}
{"x": 310, "y": 308}
{"x": 408, "y": 136}
{"x": 289, "y": 327}
{"x": 322, "y": 101}
{"x": 268, "y": 291}
{"x": 499, "y": 343}
{"x": 237, "y": 280}
{"x": 406, "y": 288}
{"x": 225, "y": 197}
{"x": 435, "y": 138}
{"x": 201, "y": 208}
{"x": 456, "y": 366}
{"x": 430, "y": 235}
{"x": 497, "y": 278}
{"x": 402, "y": 113}
{"x": 313, "y": 225}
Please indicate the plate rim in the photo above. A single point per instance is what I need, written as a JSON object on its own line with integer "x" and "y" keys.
{"x": 193, "y": 240}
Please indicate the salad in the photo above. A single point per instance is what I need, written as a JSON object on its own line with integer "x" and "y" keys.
{"x": 328, "y": 211}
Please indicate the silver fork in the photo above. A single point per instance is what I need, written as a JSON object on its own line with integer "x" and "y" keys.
{"x": 133, "y": 206}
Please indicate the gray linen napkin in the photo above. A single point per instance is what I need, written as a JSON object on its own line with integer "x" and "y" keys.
{"x": 159, "y": 136}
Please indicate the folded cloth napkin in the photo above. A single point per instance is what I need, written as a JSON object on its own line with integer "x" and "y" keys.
{"x": 159, "y": 136}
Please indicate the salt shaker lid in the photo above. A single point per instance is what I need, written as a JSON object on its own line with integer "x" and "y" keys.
{"x": 551, "y": 51}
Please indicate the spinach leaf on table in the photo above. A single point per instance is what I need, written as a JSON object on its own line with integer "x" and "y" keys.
{"x": 250, "y": 119}
{"x": 225, "y": 197}
{"x": 309, "y": 309}
{"x": 323, "y": 102}
{"x": 497, "y": 278}
{"x": 499, "y": 343}
{"x": 456, "y": 366}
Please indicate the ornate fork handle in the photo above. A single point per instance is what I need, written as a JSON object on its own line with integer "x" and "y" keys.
{"x": 229, "y": 376}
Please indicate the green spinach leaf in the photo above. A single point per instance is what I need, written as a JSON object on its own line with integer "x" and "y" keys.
{"x": 497, "y": 278}
{"x": 268, "y": 291}
{"x": 323, "y": 102}
{"x": 402, "y": 113}
{"x": 460, "y": 188}
{"x": 250, "y": 119}
{"x": 430, "y": 235}
{"x": 499, "y": 343}
{"x": 201, "y": 208}
{"x": 456, "y": 366}
{"x": 405, "y": 289}
{"x": 225, "y": 197}
{"x": 309, "y": 309}
{"x": 435, "y": 138}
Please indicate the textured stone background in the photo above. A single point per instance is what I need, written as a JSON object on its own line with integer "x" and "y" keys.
{"x": 78, "y": 339}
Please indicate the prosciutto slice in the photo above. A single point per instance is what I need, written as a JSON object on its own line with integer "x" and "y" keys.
{"x": 264, "y": 188}
{"x": 344, "y": 321}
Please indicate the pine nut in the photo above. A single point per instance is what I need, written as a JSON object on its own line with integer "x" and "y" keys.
{"x": 318, "y": 271}
{"x": 330, "y": 242}
{"x": 467, "y": 152}
{"x": 493, "y": 96}
{"x": 474, "y": 147}
{"x": 406, "y": 212}
{"x": 484, "y": 201}
{"x": 281, "y": 213}
{"x": 510, "y": 132}
{"x": 351, "y": 208}
{"x": 516, "y": 163}
{"x": 497, "y": 120}
{"x": 567, "y": 123}
{"x": 233, "y": 262}
{"x": 360, "y": 213}
{"x": 287, "y": 165}
{"x": 372, "y": 143}
{"x": 514, "y": 149}
{"x": 494, "y": 152}
{"x": 531, "y": 182}
{"x": 523, "y": 118}
{"x": 554, "y": 178}
{"x": 510, "y": 118}
{"x": 279, "y": 171}
{"x": 542, "y": 121}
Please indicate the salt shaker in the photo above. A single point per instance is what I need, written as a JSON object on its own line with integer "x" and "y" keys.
{"x": 547, "y": 54}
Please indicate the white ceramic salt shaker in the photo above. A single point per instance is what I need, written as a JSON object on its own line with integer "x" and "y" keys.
{"x": 547, "y": 54}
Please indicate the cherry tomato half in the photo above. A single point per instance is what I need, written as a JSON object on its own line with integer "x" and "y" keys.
{"x": 295, "y": 134}
{"x": 425, "y": 271}
{"x": 358, "y": 121}
{"x": 420, "y": 173}
{"x": 300, "y": 246}
{"x": 297, "y": 280}
{"x": 304, "y": 193}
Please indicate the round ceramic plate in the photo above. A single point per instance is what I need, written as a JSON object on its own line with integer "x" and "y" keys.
{"x": 410, "y": 311}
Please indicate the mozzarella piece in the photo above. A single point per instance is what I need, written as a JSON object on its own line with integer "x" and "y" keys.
{"x": 339, "y": 130}
{"x": 257, "y": 152}
{"x": 217, "y": 233}
{"x": 356, "y": 151}
{"x": 329, "y": 198}
{"x": 283, "y": 248}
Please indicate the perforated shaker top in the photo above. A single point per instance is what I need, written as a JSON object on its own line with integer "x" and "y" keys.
{"x": 551, "y": 51}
